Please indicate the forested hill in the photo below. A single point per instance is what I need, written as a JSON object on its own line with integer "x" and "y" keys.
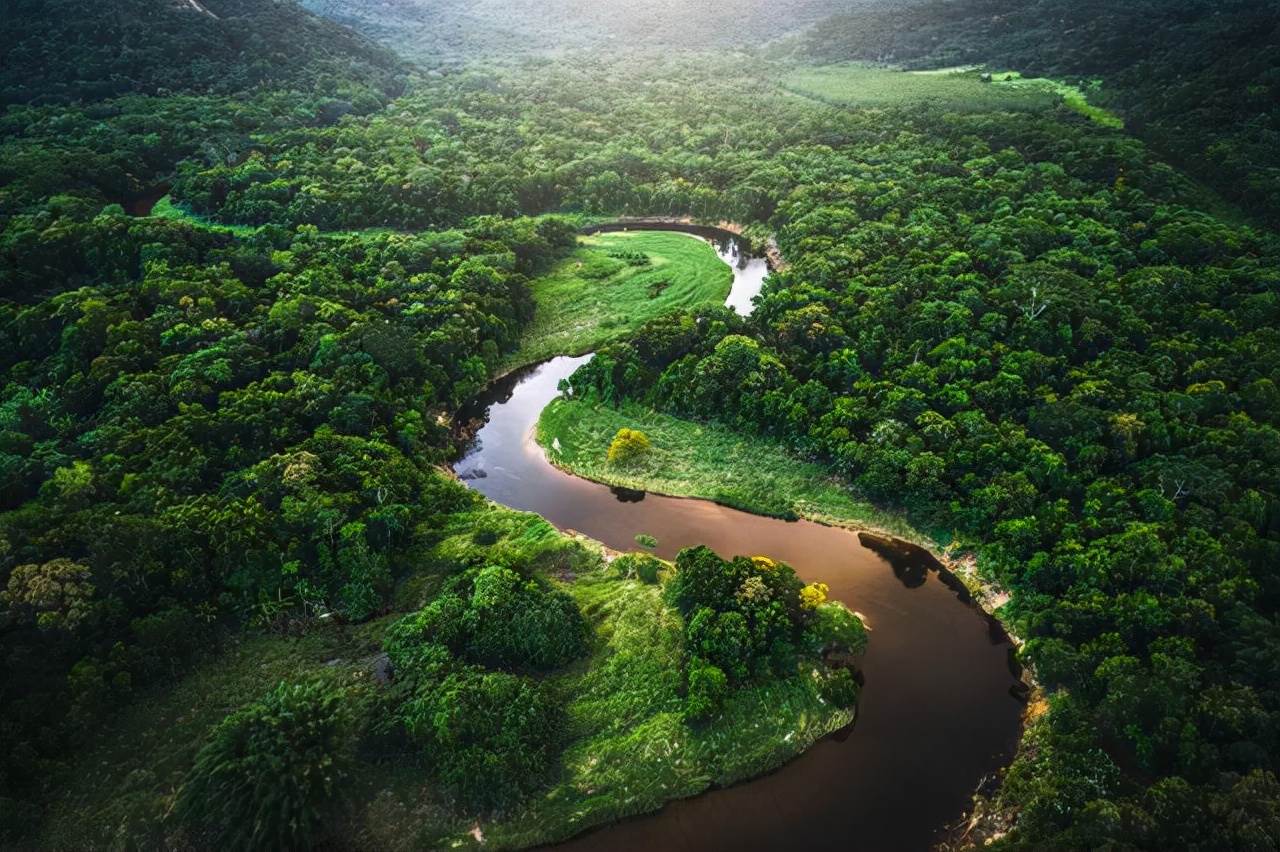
{"x": 99, "y": 101}
{"x": 1199, "y": 80}
{"x": 454, "y": 32}
{"x": 83, "y": 50}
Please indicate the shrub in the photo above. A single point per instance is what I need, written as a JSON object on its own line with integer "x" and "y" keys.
{"x": 516, "y": 622}
{"x": 722, "y": 638}
{"x": 834, "y": 628}
{"x": 490, "y": 736}
{"x": 631, "y": 258}
{"x": 56, "y": 595}
{"x": 368, "y": 578}
{"x": 443, "y": 621}
{"x": 839, "y": 688}
{"x": 703, "y": 579}
{"x": 642, "y": 566}
{"x": 268, "y": 771}
{"x": 627, "y": 446}
{"x": 708, "y": 687}
{"x": 494, "y": 617}
{"x": 646, "y": 540}
{"x": 813, "y": 596}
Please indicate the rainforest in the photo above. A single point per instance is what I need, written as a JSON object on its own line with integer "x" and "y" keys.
{"x": 724, "y": 424}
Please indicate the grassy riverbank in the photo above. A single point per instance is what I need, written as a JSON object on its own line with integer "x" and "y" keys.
{"x": 613, "y": 283}
{"x": 707, "y": 461}
{"x": 627, "y": 748}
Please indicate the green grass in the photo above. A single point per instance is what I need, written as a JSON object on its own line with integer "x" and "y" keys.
{"x": 1072, "y": 96}
{"x": 960, "y": 88}
{"x": 707, "y": 461}
{"x": 166, "y": 209}
{"x": 591, "y": 298}
{"x": 852, "y": 84}
{"x": 628, "y": 750}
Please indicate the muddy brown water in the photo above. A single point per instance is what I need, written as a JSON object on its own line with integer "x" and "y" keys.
{"x": 937, "y": 716}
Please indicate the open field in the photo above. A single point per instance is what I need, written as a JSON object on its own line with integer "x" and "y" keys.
{"x": 596, "y": 294}
{"x": 852, "y": 84}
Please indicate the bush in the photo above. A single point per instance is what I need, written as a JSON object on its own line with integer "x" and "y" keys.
{"x": 834, "y": 628}
{"x": 813, "y": 596}
{"x": 628, "y": 445}
{"x": 490, "y": 736}
{"x": 641, "y": 566}
{"x": 839, "y": 688}
{"x": 517, "y": 622}
{"x": 703, "y": 579}
{"x": 494, "y": 617}
{"x": 723, "y": 639}
{"x": 443, "y": 621}
{"x": 708, "y": 687}
{"x": 368, "y": 578}
{"x": 266, "y": 775}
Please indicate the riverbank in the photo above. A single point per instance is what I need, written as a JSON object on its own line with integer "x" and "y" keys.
{"x": 708, "y": 461}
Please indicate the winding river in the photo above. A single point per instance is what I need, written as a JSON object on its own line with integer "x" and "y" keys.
{"x": 937, "y": 716}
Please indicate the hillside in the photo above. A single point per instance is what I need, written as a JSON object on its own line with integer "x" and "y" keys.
{"x": 1198, "y": 79}
{"x": 84, "y": 50}
{"x": 454, "y": 32}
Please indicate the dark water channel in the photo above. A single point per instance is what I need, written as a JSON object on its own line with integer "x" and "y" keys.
{"x": 936, "y": 717}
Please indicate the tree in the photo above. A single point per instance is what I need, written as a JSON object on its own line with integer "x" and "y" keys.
{"x": 58, "y": 594}
{"x": 707, "y": 689}
{"x": 268, "y": 772}
{"x": 628, "y": 446}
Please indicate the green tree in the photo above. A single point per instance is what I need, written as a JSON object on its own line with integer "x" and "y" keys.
{"x": 268, "y": 773}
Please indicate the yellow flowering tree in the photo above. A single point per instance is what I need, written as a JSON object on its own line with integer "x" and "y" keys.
{"x": 813, "y": 595}
{"x": 628, "y": 445}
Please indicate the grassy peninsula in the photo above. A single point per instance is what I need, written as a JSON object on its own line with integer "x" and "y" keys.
{"x": 707, "y": 461}
{"x": 615, "y": 282}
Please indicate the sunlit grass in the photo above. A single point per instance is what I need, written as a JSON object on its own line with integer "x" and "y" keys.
{"x": 591, "y": 298}
{"x": 852, "y": 84}
{"x": 1072, "y": 96}
{"x": 958, "y": 88}
{"x": 165, "y": 208}
{"x": 708, "y": 461}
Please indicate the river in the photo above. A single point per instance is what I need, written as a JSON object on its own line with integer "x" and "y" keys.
{"x": 937, "y": 716}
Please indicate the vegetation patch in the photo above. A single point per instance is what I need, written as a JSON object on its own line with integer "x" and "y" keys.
{"x": 518, "y": 705}
{"x": 857, "y": 85}
{"x": 705, "y": 460}
{"x": 602, "y": 291}
{"x": 1073, "y": 96}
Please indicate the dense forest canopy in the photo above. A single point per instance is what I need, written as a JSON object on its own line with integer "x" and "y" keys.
{"x": 79, "y": 50}
{"x": 1049, "y": 340}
